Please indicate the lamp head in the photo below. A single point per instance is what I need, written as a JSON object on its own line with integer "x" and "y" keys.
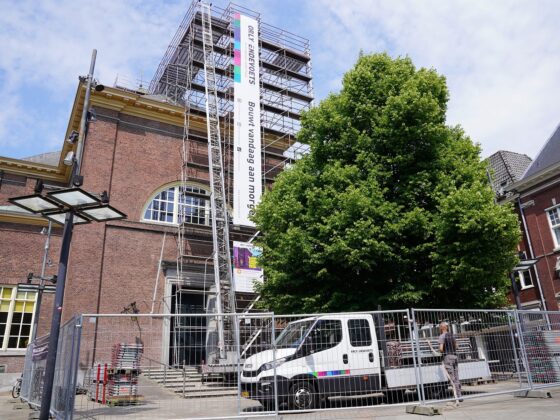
{"x": 38, "y": 186}
{"x": 78, "y": 180}
{"x": 73, "y": 137}
{"x": 69, "y": 159}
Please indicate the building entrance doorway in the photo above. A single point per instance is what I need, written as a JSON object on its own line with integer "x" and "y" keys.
{"x": 187, "y": 334}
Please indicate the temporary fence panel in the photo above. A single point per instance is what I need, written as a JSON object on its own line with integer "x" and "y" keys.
{"x": 33, "y": 371}
{"x": 165, "y": 366}
{"x": 541, "y": 341}
{"x": 482, "y": 353}
{"x": 65, "y": 377}
{"x": 177, "y": 366}
{"x": 64, "y": 385}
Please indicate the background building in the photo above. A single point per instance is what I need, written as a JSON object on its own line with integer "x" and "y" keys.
{"x": 533, "y": 188}
{"x": 537, "y": 200}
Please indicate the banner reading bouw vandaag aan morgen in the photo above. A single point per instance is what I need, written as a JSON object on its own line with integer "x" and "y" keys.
{"x": 247, "y": 182}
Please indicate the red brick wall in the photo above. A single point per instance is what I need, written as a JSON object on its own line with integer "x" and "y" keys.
{"x": 114, "y": 264}
{"x": 542, "y": 242}
{"x": 21, "y": 252}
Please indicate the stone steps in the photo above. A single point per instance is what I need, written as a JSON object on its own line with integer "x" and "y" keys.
{"x": 192, "y": 385}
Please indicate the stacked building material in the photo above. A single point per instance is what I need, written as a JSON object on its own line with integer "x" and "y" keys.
{"x": 543, "y": 355}
{"x": 122, "y": 378}
{"x": 126, "y": 356}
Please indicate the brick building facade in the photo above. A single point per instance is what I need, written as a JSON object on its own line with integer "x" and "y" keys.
{"x": 132, "y": 151}
{"x": 536, "y": 197}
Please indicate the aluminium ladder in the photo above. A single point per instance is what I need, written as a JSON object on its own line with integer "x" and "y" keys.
{"x": 225, "y": 289}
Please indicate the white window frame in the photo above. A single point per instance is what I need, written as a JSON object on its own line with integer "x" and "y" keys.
{"x": 175, "y": 218}
{"x": 525, "y": 279}
{"x": 29, "y": 297}
{"x": 553, "y": 227}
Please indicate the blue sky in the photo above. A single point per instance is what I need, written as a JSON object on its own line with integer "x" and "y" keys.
{"x": 501, "y": 58}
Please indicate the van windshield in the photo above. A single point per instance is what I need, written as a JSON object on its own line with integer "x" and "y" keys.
{"x": 293, "y": 334}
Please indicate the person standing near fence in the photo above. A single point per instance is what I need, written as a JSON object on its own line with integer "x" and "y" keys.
{"x": 448, "y": 347}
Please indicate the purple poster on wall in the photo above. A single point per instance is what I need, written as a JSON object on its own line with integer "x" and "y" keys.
{"x": 245, "y": 266}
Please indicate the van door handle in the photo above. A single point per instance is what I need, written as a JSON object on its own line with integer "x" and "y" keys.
{"x": 345, "y": 359}
{"x": 371, "y": 356}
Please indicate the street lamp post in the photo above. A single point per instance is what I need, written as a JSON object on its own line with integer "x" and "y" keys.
{"x": 68, "y": 206}
{"x": 41, "y": 285}
{"x": 56, "y": 318}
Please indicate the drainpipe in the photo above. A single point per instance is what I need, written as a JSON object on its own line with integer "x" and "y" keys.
{"x": 532, "y": 254}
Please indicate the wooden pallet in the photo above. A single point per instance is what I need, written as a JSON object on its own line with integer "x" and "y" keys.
{"x": 124, "y": 400}
{"x": 480, "y": 382}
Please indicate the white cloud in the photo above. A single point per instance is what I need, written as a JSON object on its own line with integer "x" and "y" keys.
{"x": 45, "y": 46}
{"x": 501, "y": 59}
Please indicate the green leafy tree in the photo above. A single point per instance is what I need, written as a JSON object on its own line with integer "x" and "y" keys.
{"x": 391, "y": 207}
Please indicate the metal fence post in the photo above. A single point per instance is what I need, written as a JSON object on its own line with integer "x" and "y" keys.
{"x": 417, "y": 373}
{"x": 521, "y": 330}
{"x": 514, "y": 347}
{"x": 73, "y": 369}
{"x": 238, "y": 353}
{"x": 184, "y": 379}
{"x": 273, "y": 342}
{"x": 416, "y": 338}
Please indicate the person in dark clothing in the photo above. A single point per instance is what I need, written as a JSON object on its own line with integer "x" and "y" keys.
{"x": 448, "y": 348}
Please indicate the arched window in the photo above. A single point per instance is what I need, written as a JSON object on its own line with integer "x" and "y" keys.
{"x": 180, "y": 204}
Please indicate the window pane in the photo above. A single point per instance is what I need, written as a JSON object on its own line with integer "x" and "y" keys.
{"x": 25, "y": 330}
{"x": 12, "y": 342}
{"x": 325, "y": 335}
{"x": 190, "y": 209}
{"x": 557, "y": 234}
{"x": 14, "y": 329}
{"x": 161, "y": 208}
{"x": 554, "y": 217}
{"x": 359, "y": 331}
{"x": 6, "y": 292}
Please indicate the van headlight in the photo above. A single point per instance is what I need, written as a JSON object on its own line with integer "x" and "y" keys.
{"x": 273, "y": 364}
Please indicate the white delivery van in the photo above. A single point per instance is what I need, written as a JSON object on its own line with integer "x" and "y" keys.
{"x": 345, "y": 355}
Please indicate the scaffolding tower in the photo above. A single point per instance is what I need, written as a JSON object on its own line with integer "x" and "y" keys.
{"x": 196, "y": 72}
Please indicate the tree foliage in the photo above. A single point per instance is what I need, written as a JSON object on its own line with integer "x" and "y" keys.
{"x": 391, "y": 207}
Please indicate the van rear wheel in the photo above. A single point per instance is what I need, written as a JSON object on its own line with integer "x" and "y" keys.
{"x": 303, "y": 396}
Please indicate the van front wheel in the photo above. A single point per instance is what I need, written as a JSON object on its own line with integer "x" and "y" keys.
{"x": 303, "y": 396}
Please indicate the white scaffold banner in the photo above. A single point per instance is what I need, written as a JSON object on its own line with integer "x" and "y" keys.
{"x": 247, "y": 182}
{"x": 245, "y": 268}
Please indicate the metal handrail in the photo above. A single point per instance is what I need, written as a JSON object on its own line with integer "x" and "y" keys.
{"x": 165, "y": 368}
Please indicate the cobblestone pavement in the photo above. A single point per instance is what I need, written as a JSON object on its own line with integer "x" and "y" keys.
{"x": 499, "y": 407}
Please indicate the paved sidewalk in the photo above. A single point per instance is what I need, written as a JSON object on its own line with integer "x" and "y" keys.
{"x": 13, "y": 409}
{"x": 500, "y": 407}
